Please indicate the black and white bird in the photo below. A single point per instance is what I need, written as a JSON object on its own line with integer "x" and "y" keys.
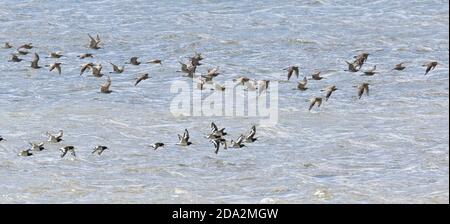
{"x": 157, "y": 145}
{"x": 56, "y": 137}
{"x": 37, "y": 147}
{"x": 238, "y": 142}
{"x": 184, "y": 140}
{"x": 25, "y": 153}
{"x": 67, "y": 149}
{"x": 250, "y": 137}
{"x": 99, "y": 149}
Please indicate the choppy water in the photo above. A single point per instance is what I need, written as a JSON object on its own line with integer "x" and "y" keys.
{"x": 390, "y": 147}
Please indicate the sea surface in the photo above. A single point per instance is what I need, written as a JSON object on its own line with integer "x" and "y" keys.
{"x": 389, "y": 147}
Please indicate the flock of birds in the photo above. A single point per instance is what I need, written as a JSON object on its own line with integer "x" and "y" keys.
{"x": 216, "y": 136}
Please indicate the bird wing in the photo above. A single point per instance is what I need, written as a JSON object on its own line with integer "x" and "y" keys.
{"x": 60, "y": 134}
{"x": 138, "y": 80}
{"x": 115, "y": 68}
{"x": 290, "y": 71}
{"x": 214, "y": 127}
{"x": 311, "y": 105}
{"x": 240, "y": 139}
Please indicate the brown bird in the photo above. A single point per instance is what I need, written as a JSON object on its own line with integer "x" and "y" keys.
{"x": 212, "y": 73}
{"x": 241, "y": 80}
{"x": 86, "y": 66}
{"x": 34, "y": 62}
{"x": 134, "y": 61}
{"x": 141, "y": 78}
{"x": 351, "y": 67}
{"x": 399, "y": 67}
{"x": 7, "y": 45}
{"x": 430, "y": 66}
{"x": 56, "y": 54}
{"x": 87, "y": 55}
{"x": 292, "y": 70}
{"x": 364, "y": 87}
{"x": 371, "y": 71}
{"x": 97, "y": 71}
{"x": 314, "y": 101}
{"x": 195, "y": 60}
{"x": 105, "y": 87}
{"x": 117, "y": 69}
{"x": 188, "y": 68}
{"x": 155, "y": 61}
{"x": 56, "y": 65}
{"x": 328, "y": 91}
{"x": 360, "y": 59}
{"x": 26, "y": 46}
{"x": 94, "y": 42}
{"x": 302, "y": 85}
{"x": 316, "y": 76}
{"x": 15, "y": 58}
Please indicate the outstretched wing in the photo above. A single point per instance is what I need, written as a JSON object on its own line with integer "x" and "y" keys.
{"x": 214, "y": 127}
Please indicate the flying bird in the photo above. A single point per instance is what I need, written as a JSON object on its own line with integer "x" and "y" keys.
{"x": 87, "y": 55}
{"x": 86, "y": 66}
{"x": 56, "y": 65}
{"x": 67, "y": 149}
{"x": 134, "y": 61}
{"x": 250, "y": 137}
{"x": 25, "y": 153}
{"x": 157, "y": 145}
{"x": 34, "y": 62}
{"x": 184, "y": 140}
{"x": 94, "y": 42}
{"x": 292, "y": 70}
{"x": 302, "y": 85}
{"x": 328, "y": 91}
{"x": 314, "y": 101}
{"x": 364, "y": 87}
{"x": 37, "y": 147}
{"x": 56, "y": 137}
{"x": 141, "y": 78}
{"x": 399, "y": 67}
{"x": 316, "y": 76}
{"x": 117, "y": 69}
{"x": 430, "y": 66}
{"x": 104, "y": 88}
{"x": 99, "y": 149}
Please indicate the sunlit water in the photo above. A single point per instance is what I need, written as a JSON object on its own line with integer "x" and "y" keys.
{"x": 389, "y": 147}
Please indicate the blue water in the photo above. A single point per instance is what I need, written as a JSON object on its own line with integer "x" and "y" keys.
{"x": 389, "y": 147}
